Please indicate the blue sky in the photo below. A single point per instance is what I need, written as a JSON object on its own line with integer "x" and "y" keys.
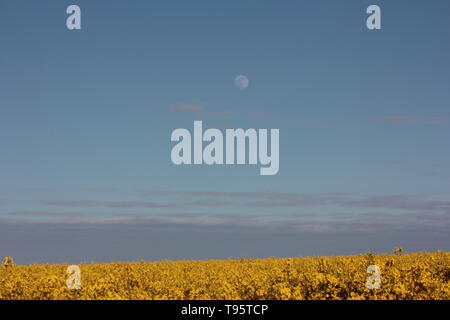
{"x": 86, "y": 118}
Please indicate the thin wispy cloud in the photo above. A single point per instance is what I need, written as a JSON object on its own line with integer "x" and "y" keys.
{"x": 198, "y": 110}
{"x": 59, "y": 214}
{"x": 441, "y": 164}
{"x": 405, "y": 119}
{"x": 349, "y": 200}
{"x": 184, "y": 108}
{"x": 317, "y": 213}
{"x": 109, "y": 204}
{"x": 265, "y": 118}
{"x": 373, "y": 222}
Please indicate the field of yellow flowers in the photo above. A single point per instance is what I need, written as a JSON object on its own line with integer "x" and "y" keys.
{"x": 402, "y": 276}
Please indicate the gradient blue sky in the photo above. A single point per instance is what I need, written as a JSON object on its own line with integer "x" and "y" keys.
{"x": 86, "y": 118}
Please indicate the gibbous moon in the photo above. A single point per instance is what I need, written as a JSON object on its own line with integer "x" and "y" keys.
{"x": 241, "y": 82}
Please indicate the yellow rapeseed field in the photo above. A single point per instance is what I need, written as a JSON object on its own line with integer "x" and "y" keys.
{"x": 402, "y": 276}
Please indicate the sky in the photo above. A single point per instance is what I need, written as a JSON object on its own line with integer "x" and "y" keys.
{"x": 86, "y": 118}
